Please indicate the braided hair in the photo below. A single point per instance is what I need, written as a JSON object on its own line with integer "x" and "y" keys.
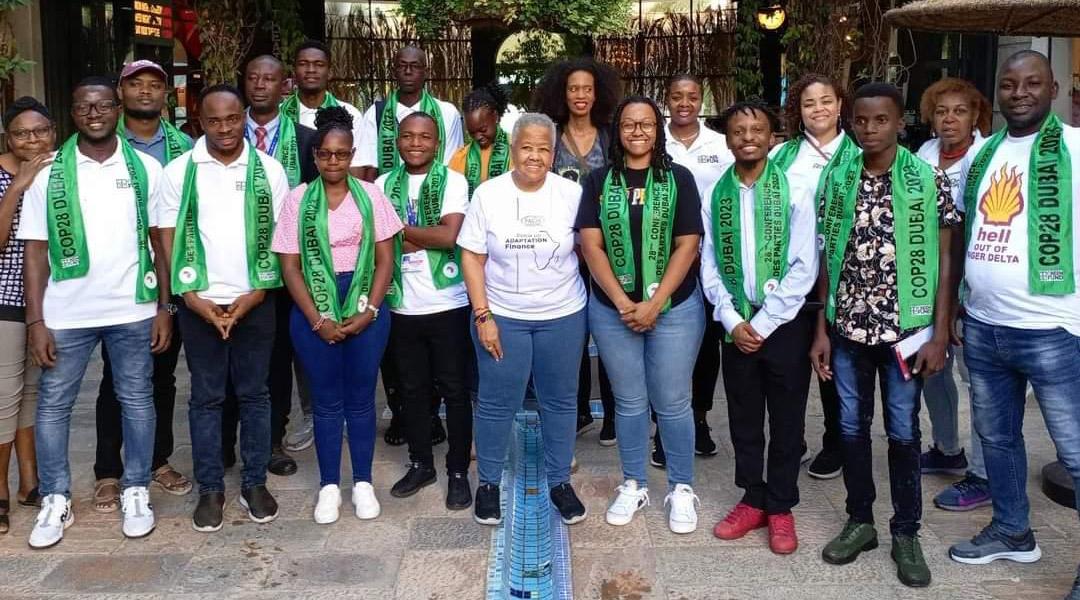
{"x": 492, "y": 96}
{"x": 332, "y": 118}
{"x": 660, "y": 161}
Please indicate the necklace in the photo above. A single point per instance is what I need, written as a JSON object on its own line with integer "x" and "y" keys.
{"x": 955, "y": 154}
{"x": 688, "y": 138}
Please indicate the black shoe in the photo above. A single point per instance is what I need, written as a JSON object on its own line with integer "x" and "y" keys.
{"x": 208, "y": 513}
{"x": 584, "y": 423}
{"x": 281, "y": 464}
{"x": 228, "y": 457}
{"x": 703, "y": 443}
{"x": 260, "y": 504}
{"x": 394, "y": 435}
{"x": 607, "y": 433}
{"x": 658, "y": 458}
{"x": 458, "y": 492}
{"x": 418, "y": 477}
{"x": 486, "y": 510}
{"x": 828, "y": 464}
{"x": 438, "y": 434}
{"x": 566, "y": 502}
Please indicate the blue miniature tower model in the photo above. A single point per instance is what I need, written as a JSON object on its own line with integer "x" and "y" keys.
{"x": 530, "y": 555}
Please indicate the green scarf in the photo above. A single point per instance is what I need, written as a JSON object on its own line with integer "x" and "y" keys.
{"x": 1050, "y": 241}
{"x": 772, "y": 211}
{"x": 388, "y": 130}
{"x": 915, "y": 222}
{"x": 317, "y": 261}
{"x": 287, "y": 151}
{"x": 498, "y": 164}
{"x": 656, "y": 223}
{"x": 176, "y": 143}
{"x": 189, "y": 256}
{"x": 785, "y": 157}
{"x": 290, "y": 106}
{"x": 69, "y": 255}
{"x": 445, "y": 270}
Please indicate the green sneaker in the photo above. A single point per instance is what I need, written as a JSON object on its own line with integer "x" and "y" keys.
{"x": 845, "y": 548}
{"x": 911, "y": 567}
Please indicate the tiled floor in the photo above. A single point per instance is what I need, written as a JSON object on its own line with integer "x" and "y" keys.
{"x": 417, "y": 550}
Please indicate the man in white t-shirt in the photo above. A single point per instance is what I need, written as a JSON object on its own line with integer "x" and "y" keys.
{"x": 1022, "y": 322}
{"x": 409, "y": 96}
{"x": 89, "y": 221}
{"x": 311, "y": 76}
{"x": 430, "y": 329}
{"x": 218, "y": 207}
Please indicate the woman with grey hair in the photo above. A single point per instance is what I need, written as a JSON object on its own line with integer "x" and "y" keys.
{"x": 521, "y": 270}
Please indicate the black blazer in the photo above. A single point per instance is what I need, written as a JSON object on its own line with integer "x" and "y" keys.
{"x": 305, "y": 143}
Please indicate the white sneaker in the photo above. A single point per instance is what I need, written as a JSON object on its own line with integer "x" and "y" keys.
{"x": 629, "y": 501}
{"x": 364, "y": 501}
{"x": 138, "y": 512}
{"x": 54, "y": 517}
{"x": 327, "y": 505}
{"x": 682, "y": 514}
{"x": 302, "y": 437}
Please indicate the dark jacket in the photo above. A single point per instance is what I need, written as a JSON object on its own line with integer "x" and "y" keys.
{"x": 305, "y": 143}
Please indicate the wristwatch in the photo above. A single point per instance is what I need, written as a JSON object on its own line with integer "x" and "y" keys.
{"x": 374, "y": 312}
{"x": 169, "y": 307}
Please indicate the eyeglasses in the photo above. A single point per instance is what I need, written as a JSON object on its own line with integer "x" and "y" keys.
{"x": 630, "y": 126}
{"x": 103, "y": 106}
{"x": 24, "y": 134}
{"x": 326, "y": 155}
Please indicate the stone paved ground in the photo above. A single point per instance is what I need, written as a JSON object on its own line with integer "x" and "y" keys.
{"x": 417, "y": 550}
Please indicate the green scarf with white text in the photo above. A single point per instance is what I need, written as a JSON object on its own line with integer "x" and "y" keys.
{"x": 785, "y": 157}
{"x": 290, "y": 106}
{"x": 176, "y": 143}
{"x": 388, "y": 157}
{"x": 498, "y": 163}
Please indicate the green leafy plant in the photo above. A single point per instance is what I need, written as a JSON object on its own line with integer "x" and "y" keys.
{"x": 748, "y": 78}
{"x": 226, "y": 30}
{"x": 582, "y": 17}
{"x": 281, "y": 18}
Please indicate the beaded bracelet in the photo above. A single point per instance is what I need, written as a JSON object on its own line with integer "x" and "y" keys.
{"x": 483, "y": 317}
{"x": 318, "y": 324}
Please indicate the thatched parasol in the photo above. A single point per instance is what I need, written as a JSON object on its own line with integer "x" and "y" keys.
{"x": 1006, "y": 17}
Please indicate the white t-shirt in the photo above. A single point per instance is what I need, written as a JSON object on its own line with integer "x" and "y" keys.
{"x": 221, "y": 214}
{"x": 307, "y": 119}
{"x": 106, "y": 294}
{"x": 930, "y": 151}
{"x": 996, "y": 264}
{"x": 368, "y": 154}
{"x": 421, "y": 295}
{"x": 809, "y": 165}
{"x": 707, "y": 158}
{"x": 532, "y": 270}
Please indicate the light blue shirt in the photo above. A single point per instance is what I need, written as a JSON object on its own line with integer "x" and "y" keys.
{"x": 155, "y": 146}
{"x": 271, "y": 131}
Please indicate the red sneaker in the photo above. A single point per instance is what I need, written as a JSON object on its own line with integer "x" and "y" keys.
{"x": 741, "y": 520}
{"x": 782, "y": 538}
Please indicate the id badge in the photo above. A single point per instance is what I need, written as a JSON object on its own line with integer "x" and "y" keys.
{"x": 412, "y": 263}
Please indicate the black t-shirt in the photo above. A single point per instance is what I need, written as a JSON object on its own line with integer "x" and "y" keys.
{"x": 687, "y": 221}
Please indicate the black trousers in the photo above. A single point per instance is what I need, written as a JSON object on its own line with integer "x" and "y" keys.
{"x": 280, "y": 379}
{"x": 830, "y": 409}
{"x": 775, "y": 379}
{"x": 707, "y": 366}
{"x": 432, "y": 350}
{"x": 110, "y": 435}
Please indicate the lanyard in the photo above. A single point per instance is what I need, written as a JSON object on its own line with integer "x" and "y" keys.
{"x": 273, "y": 143}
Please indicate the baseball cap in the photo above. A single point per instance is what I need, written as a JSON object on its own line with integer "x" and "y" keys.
{"x": 139, "y": 66}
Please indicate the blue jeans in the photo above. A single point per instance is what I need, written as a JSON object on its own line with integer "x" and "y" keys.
{"x": 942, "y": 402}
{"x": 654, "y": 368}
{"x": 242, "y": 362}
{"x": 342, "y": 377}
{"x": 1002, "y": 361}
{"x": 548, "y": 352}
{"x": 855, "y": 367}
{"x": 132, "y": 369}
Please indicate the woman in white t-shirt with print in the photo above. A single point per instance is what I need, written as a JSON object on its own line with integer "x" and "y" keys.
{"x": 959, "y": 116}
{"x": 521, "y": 271}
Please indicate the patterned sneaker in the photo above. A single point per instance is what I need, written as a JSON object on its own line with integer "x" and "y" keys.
{"x": 969, "y": 493}
{"x": 138, "y": 512}
{"x": 54, "y": 517}
{"x": 631, "y": 498}
{"x": 936, "y": 461}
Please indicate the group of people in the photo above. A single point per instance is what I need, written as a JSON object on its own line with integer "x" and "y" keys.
{"x": 298, "y": 229}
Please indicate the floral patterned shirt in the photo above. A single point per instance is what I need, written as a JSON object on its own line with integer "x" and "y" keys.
{"x": 866, "y": 297}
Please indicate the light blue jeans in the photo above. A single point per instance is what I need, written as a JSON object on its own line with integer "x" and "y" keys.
{"x": 1001, "y": 362}
{"x": 942, "y": 403}
{"x": 132, "y": 368}
{"x": 654, "y": 368}
{"x": 549, "y": 351}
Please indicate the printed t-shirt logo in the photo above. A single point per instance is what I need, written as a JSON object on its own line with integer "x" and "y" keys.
{"x": 1004, "y": 199}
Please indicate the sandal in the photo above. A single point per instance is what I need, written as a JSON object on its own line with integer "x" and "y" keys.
{"x": 107, "y": 495}
{"x": 33, "y": 498}
{"x": 5, "y": 522}
{"x": 171, "y": 481}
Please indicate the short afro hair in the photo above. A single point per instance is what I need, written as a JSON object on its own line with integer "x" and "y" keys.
{"x": 881, "y": 90}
